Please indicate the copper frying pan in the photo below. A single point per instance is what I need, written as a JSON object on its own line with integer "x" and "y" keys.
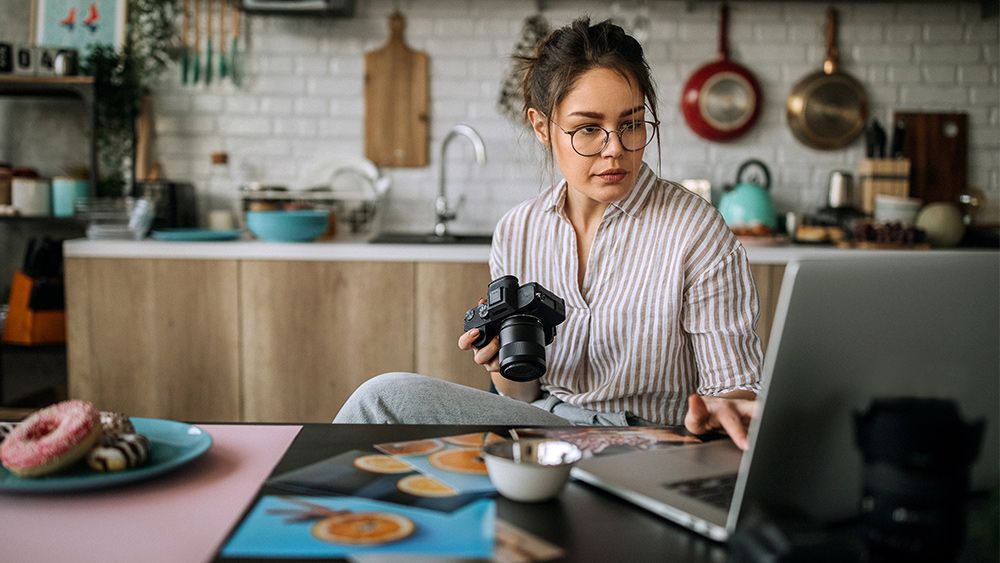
{"x": 828, "y": 108}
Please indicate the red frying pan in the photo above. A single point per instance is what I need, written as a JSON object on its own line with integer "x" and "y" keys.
{"x": 721, "y": 100}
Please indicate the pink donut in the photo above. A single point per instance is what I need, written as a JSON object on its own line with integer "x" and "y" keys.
{"x": 51, "y": 439}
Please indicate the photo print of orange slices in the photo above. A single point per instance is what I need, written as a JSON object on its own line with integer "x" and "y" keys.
{"x": 378, "y": 476}
{"x": 364, "y": 528}
{"x": 379, "y": 463}
{"x": 476, "y": 440}
{"x": 309, "y": 527}
{"x": 462, "y": 460}
{"x": 413, "y": 447}
{"x": 424, "y": 486}
{"x": 455, "y": 461}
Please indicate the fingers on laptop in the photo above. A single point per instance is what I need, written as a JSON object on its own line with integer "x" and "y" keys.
{"x": 717, "y": 413}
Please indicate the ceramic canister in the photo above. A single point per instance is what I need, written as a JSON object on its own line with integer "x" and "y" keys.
{"x": 32, "y": 197}
{"x": 65, "y": 193}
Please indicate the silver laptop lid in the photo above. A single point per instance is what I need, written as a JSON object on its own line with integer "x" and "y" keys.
{"x": 849, "y": 330}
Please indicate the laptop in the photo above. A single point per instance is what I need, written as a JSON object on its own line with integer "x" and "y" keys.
{"x": 845, "y": 331}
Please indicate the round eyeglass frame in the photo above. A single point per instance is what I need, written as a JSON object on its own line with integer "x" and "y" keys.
{"x": 607, "y": 137}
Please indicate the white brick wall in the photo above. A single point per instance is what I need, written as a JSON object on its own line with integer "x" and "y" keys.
{"x": 303, "y": 97}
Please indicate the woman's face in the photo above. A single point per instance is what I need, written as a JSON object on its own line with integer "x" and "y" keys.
{"x": 603, "y": 98}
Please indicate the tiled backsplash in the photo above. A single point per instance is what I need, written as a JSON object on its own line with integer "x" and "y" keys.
{"x": 303, "y": 99}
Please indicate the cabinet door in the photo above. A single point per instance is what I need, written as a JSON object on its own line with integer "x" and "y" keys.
{"x": 312, "y": 332}
{"x": 154, "y": 338}
{"x": 768, "y": 280}
{"x": 444, "y": 292}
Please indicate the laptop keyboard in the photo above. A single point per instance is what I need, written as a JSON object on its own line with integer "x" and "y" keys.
{"x": 717, "y": 490}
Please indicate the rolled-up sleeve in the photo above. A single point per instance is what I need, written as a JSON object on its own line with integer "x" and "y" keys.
{"x": 720, "y": 313}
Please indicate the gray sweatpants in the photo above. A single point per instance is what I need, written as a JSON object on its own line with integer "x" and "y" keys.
{"x": 409, "y": 398}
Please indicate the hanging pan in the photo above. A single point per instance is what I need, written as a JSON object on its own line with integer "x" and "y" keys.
{"x": 722, "y": 99}
{"x": 828, "y": 108}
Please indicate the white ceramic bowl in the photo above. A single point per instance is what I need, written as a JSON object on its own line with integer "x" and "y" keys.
{"x": 893, "y": 209}
{"x": 530, "y": 470}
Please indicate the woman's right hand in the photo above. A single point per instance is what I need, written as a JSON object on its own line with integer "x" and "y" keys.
{"x": 487, "y": 356}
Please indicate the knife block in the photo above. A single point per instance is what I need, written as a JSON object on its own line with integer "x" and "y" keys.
{"x": 883, "y": 176}
{"x": 27, "y": 326}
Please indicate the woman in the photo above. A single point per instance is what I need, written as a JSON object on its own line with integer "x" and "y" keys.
{"x": 660, "y": 304}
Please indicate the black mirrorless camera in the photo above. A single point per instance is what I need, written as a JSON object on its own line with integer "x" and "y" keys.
{"x": 525, "y": 318}
{"x": 918, "y": 454}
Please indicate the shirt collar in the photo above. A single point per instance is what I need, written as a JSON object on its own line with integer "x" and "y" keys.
{"x": 632, "y": 205}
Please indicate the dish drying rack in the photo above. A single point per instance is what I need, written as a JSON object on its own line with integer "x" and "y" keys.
{"x": 357, "y": 204}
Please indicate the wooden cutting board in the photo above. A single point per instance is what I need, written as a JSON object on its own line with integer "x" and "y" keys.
{"x": 397, "y": 124}
{"x": 937, "y": 146}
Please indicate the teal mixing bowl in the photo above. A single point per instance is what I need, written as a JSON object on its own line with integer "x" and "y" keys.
{"x": 300, "y": 225}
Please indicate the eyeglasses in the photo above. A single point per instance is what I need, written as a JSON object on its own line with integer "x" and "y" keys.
{"x": 591, "y": 140}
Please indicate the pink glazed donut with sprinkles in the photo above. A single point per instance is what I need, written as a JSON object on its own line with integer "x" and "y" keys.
{"x": 51, "y": 439}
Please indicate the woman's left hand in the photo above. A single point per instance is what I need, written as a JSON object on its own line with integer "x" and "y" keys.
{"x": 731, "y": 415}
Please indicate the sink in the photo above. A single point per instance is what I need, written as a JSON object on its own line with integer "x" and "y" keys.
{"x": 430, "y": 238}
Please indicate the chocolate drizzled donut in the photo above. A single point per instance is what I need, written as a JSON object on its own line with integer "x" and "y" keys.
{"x": 116, "y": 423}
{"x": 119, "y": 451}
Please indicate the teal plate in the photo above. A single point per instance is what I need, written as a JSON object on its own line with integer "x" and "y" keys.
{"x": 173, "y": 444}
{"x": 196, "y": 234}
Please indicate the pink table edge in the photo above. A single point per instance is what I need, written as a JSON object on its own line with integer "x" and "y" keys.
{"x": 181, "y": 516}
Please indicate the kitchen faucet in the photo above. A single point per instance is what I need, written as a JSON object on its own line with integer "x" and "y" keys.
{"x": 443, "y": 210}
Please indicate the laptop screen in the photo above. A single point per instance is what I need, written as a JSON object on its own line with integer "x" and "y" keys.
{"x": 847, "y": 331}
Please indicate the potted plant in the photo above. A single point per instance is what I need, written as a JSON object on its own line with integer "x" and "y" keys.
{"x": 122, "y": 77}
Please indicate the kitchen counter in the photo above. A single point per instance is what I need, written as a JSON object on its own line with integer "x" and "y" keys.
{"x": 357, "y": 250}
{"x": 202, "y": 331}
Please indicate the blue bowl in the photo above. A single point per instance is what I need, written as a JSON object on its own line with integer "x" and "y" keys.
{"x": 300, "y": 225}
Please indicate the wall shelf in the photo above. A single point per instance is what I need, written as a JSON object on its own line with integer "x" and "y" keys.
{"x": 79, "y": 87}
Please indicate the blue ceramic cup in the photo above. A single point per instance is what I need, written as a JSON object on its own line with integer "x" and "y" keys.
{"x": 65, "y": 192}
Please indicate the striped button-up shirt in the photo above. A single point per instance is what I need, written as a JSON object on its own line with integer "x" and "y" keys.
{"x": 667, "y": 306}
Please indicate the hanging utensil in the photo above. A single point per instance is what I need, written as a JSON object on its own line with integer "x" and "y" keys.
{"x": 196, "y": 69}
{"x": 235, "y": 62}
{"x": 208, "y": 53}
{"x": 828, "y": 108}
{"x": 223, "y": 70}
{"x": 722, "y": 99}
{"x": 185, "y": 55}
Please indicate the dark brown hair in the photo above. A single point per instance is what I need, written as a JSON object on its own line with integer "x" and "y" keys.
{"x": 570, "y": 51}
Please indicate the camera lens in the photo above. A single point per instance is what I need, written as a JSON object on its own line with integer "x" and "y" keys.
{"x": 522, "y": 348}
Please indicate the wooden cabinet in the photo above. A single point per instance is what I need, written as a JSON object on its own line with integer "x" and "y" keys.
{"x": 444, "y": 292}
{"x": 154, "y": 338}
{"x": 272, "y": 340}
{"x": 768, "y": 280}
{"x": 312, "y": 332}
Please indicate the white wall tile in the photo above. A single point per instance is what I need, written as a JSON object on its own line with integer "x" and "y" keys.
{"x": 303, "y": 98}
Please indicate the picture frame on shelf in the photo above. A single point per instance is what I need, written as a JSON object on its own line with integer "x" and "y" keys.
{"x": 79, "y": 24}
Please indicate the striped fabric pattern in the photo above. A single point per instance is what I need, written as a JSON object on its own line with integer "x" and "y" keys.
{"x": 667, "y": 307}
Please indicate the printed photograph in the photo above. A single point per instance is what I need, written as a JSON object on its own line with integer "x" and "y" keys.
{"x": 456, "y": 461}
{"x": 288, "y": 526}
{"x": 377, "y": 476}
{"x": 80, "y": 24}
{"x": 604, "y": 440}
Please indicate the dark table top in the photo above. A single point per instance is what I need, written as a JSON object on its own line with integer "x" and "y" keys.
{"x": 589, "y": 524}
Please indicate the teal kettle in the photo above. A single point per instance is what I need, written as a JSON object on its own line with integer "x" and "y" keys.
{"x": 748, "y": 203}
